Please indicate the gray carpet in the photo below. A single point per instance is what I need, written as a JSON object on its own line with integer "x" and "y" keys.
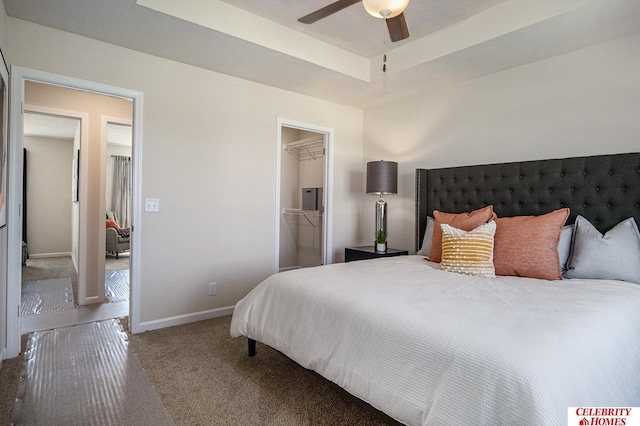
{"x": 86, "y": 375}
{"x": 202, "y": 375}
{"x": 46, "y": 296}
{"x": 205, "y": 377}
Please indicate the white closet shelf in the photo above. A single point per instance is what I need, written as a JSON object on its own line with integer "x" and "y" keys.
{"x": 306, "y": 149}
{"x": 300, "y": 212}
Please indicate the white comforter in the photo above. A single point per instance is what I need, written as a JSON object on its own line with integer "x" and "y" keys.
{"x": 430, "y": 347}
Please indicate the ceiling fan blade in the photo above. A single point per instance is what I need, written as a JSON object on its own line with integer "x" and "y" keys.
{"x": 326, "y": 11}
{"x": 398, "y": 29}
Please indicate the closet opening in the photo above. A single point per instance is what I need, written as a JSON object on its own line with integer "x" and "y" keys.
{"x": 302, "y": 216}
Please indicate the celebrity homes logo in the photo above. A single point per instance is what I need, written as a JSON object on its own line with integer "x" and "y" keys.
{"x": 603, "y": 416}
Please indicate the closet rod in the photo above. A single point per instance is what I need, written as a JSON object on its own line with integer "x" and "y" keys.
{"x": 305, "y": 142}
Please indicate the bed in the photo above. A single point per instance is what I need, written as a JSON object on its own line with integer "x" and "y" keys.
{"x": 432, "y": 347}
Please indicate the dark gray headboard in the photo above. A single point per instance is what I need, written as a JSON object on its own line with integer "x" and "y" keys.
{"x": 605, "y": 189}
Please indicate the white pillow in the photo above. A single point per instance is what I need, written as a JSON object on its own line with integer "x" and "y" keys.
{"x": 564, "y": 246}
{"x": 612, "y": 256}
{"x": 428, "y": 238}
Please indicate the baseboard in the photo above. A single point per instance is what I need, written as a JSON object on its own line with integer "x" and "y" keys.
{"x": 289, "y": 268}
{"x": 184, "y": 319}
{"x": 43, "y": 255}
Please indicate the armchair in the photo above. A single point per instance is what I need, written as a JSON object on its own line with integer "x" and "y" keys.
{"x": 116, "y": 242}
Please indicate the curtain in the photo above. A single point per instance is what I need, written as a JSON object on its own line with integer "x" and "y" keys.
{"x": 121, "y": 196}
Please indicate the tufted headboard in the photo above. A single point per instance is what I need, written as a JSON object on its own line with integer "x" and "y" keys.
{"x": 605, "y": 189}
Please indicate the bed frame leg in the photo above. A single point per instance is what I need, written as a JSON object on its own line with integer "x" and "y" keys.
{"x": 252, "y": 347}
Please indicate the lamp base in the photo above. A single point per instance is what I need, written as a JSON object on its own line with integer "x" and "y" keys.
{"x": 381, "y": 247}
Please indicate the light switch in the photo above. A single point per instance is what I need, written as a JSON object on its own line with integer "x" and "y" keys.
{"x": 151, "y": 205}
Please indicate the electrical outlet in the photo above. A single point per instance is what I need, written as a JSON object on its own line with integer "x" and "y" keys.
{"x": 151, "y": 205}
{"x": 212, "y": 289}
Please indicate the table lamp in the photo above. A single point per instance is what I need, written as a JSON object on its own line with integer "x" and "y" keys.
{"x": 382, "y": 179}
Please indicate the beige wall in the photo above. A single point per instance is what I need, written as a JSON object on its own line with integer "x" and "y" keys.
{"x": 49, "y": 164}
{"x": 209, "y": 156}
{"x": 581, "y": 103}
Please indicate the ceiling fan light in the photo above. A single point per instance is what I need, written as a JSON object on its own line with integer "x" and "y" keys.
{"x": 385, "y": 9}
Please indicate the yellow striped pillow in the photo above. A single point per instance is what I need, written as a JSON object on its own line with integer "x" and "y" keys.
{"x": 469, "y": 253}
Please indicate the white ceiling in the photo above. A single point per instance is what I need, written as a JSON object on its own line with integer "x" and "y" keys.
{"x": 339, "y": 58}
{"x": 355, "y": 30}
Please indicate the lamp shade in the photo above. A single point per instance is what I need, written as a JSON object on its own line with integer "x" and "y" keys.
{"x": 382, "y": 177}
{"x": 385, "y": 8}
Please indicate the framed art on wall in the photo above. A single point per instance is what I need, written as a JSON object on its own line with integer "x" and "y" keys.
{"x": 76, "y": 176}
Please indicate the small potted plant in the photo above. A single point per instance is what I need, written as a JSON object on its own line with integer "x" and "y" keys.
{"x": 381, "y": 241}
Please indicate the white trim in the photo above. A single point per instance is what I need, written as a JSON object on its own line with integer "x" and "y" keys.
{"x": 135, "y": 246}
{"x": 327, "y": 217}
{"x": 186, "y": 318}
{"x": 14, "y": 251}
{"x": 47, "y": 255}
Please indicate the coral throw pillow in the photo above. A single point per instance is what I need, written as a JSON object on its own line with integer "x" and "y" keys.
{"x": 527, "y": 246}
{"x": 464, "y": 221}
{"x": 112, "y": 224}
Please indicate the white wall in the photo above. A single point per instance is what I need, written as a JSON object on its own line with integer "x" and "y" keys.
{"x": 581, "y": 103}
{"x": 49, "y": 213}
{"x": 209, "y": 156}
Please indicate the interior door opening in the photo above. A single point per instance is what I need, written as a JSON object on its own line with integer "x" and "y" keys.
{"x": 304, "y": 194}
{"x": 54, "y": 142}
{"x": 91, "y": 177}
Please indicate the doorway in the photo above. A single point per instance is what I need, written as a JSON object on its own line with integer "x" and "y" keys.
{"x": 91, "y": 238}
{"x": 50, "y": 220}
{"x": 57, "y": 276}
{"x": 303, "y": 195}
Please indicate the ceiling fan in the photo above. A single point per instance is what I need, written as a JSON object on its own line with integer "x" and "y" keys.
{"x": 392, "y": 11}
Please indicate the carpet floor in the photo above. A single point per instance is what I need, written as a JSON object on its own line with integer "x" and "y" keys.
{"x": 205, "y": 377}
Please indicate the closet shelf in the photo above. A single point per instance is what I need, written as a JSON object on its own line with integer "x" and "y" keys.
{"x": 304, "y": 213}
{"x": 306, "y": 149}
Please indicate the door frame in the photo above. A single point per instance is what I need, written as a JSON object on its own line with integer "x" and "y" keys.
{"x": 18, "y": 76}
{"x": 327, "y": 217}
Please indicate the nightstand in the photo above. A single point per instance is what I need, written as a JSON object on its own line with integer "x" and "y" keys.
{"x": 369, "y": 252}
